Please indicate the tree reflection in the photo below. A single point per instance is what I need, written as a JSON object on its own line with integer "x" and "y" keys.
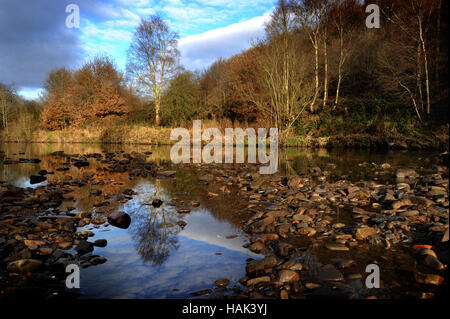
{"x": 154, "y": 230}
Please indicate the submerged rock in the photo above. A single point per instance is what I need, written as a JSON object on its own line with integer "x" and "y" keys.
{"x": 25, "y": 265}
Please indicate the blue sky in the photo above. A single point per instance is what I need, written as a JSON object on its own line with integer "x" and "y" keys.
{"x": 208, "y": 29}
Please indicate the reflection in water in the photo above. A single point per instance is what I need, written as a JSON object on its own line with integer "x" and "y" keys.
{"x": 153, "y": 230}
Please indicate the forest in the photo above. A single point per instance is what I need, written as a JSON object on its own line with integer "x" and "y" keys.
{"x": 319, "y": 75}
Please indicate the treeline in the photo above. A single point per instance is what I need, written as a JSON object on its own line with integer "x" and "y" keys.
{"x": 319, "y": 70}
{"x": 319, "y": 66}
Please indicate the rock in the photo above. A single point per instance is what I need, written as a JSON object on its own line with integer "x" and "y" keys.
{"x": 343, "y": 263}
{"x": 97, "y": 260}
{"x": 406, "y": 173}
{"x": 46, "y": 250}
{"x": 306, "y": 231}
{"x": 257, "y": 280}
{"x": 337, "y": 247}
{"x": 24, "y": 265}
{"x": 201, "y": 292}
{"x": 432, "y": 262}
{"x": 409, "y": 213}
{"x": 257, "y": 247}
{"x": 36, "y": 179}
{"x": 385, "y": 166}
{"x": 311, "y": 286}
{"x": 294, "y": 182}
{"x": 166, "y": 174}
{"x": 287, "y": 276}
{"x": 284, "y": 249}
{"x": 357, "y": 210}
{"x": 222, "y": 282}
{"x": 98, "y": 221}
{"x": 157, "y": 202}
{"x": 302, "y": 218}
{"x": 84, "y": 247}
{"x": 183, "y": 211}
{"x": 65, "y": 245}
{"x": 292, "y": 265}
{"x": 351, "y": 189}
{"x": 364, "y": 232}
{"x": 120, "y": 220}
{"x": 32, "y": 243}
{"x": 401, "y": 203}
{"x": 195, "y": 204}
{"x": 330, "y": 273}
{"x": 256, "y": 265}
{"x": 100, "y": 243}
{"x": 428, "y": 279}
{"x": 445, "y": 236}
{"x": 181, "y": 223}
{"x": 65, "y": 224}
{"x": 80, "y": 164}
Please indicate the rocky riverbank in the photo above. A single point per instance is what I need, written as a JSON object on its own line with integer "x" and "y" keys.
{"x": 316, "y": 232}
{"x": 318, "y": 236}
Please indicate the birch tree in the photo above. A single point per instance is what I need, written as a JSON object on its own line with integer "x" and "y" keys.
{"x": 7, "y": 97}
{"x": 310, "y": 16}
{"x": 153, "y": 57}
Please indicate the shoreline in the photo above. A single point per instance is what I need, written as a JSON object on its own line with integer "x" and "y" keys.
{"x": 354, "y": 141}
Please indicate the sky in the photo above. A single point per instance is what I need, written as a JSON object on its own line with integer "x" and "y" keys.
{"x": 35, "y": 39}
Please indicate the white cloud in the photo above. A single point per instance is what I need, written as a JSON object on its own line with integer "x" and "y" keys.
{"x": 201, "y": 50}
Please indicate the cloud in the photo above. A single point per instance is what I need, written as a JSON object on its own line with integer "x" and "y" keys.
{"x": 34, "y": 40}
{"x": 201, "y": 50}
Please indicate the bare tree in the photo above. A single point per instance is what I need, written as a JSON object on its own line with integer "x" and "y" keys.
{"x": 414, "y": 20}
{"x": 310, "y": 14}
{"x": 7, "y": 99}
{"x": 398, "y": 71}
{"x": 153, "y": 57}
{"x": 344, "y": 17}
{"x": 284, "y": 69}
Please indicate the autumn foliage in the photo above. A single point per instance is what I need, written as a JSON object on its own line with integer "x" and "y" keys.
{"x": 93, "y": 92}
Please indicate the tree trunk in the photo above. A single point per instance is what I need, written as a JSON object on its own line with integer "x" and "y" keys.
{"x": 438, "y": 43}
{"x": 325, "y": 82}
{"x": 316, "y": 69}
{"x": 341, "y": 62}
{"x": 157, "y": 109}
{"x": 427, "y": 82}
{"x": 419, "y": 76}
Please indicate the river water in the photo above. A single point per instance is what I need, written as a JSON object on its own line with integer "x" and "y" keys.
{"x": 155, "y": 257}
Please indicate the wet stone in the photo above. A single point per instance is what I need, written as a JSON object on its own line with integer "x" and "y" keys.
{"x": 100, "y": 243}
{"x": 330, "y": 273}
{"x": 119, "y": 219}
{"x": 201, "y": 292}
{"x": 157, "y": 202}
{"x": 25, "y": 265}
{"x": 337, "y": 247}
{"x": 223, "y": 282}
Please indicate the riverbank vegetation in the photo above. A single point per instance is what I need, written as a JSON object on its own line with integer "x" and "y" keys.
{"x": 319, "y": 75}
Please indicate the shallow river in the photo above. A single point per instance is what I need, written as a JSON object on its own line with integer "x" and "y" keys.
{"x": 155, "y": 257}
